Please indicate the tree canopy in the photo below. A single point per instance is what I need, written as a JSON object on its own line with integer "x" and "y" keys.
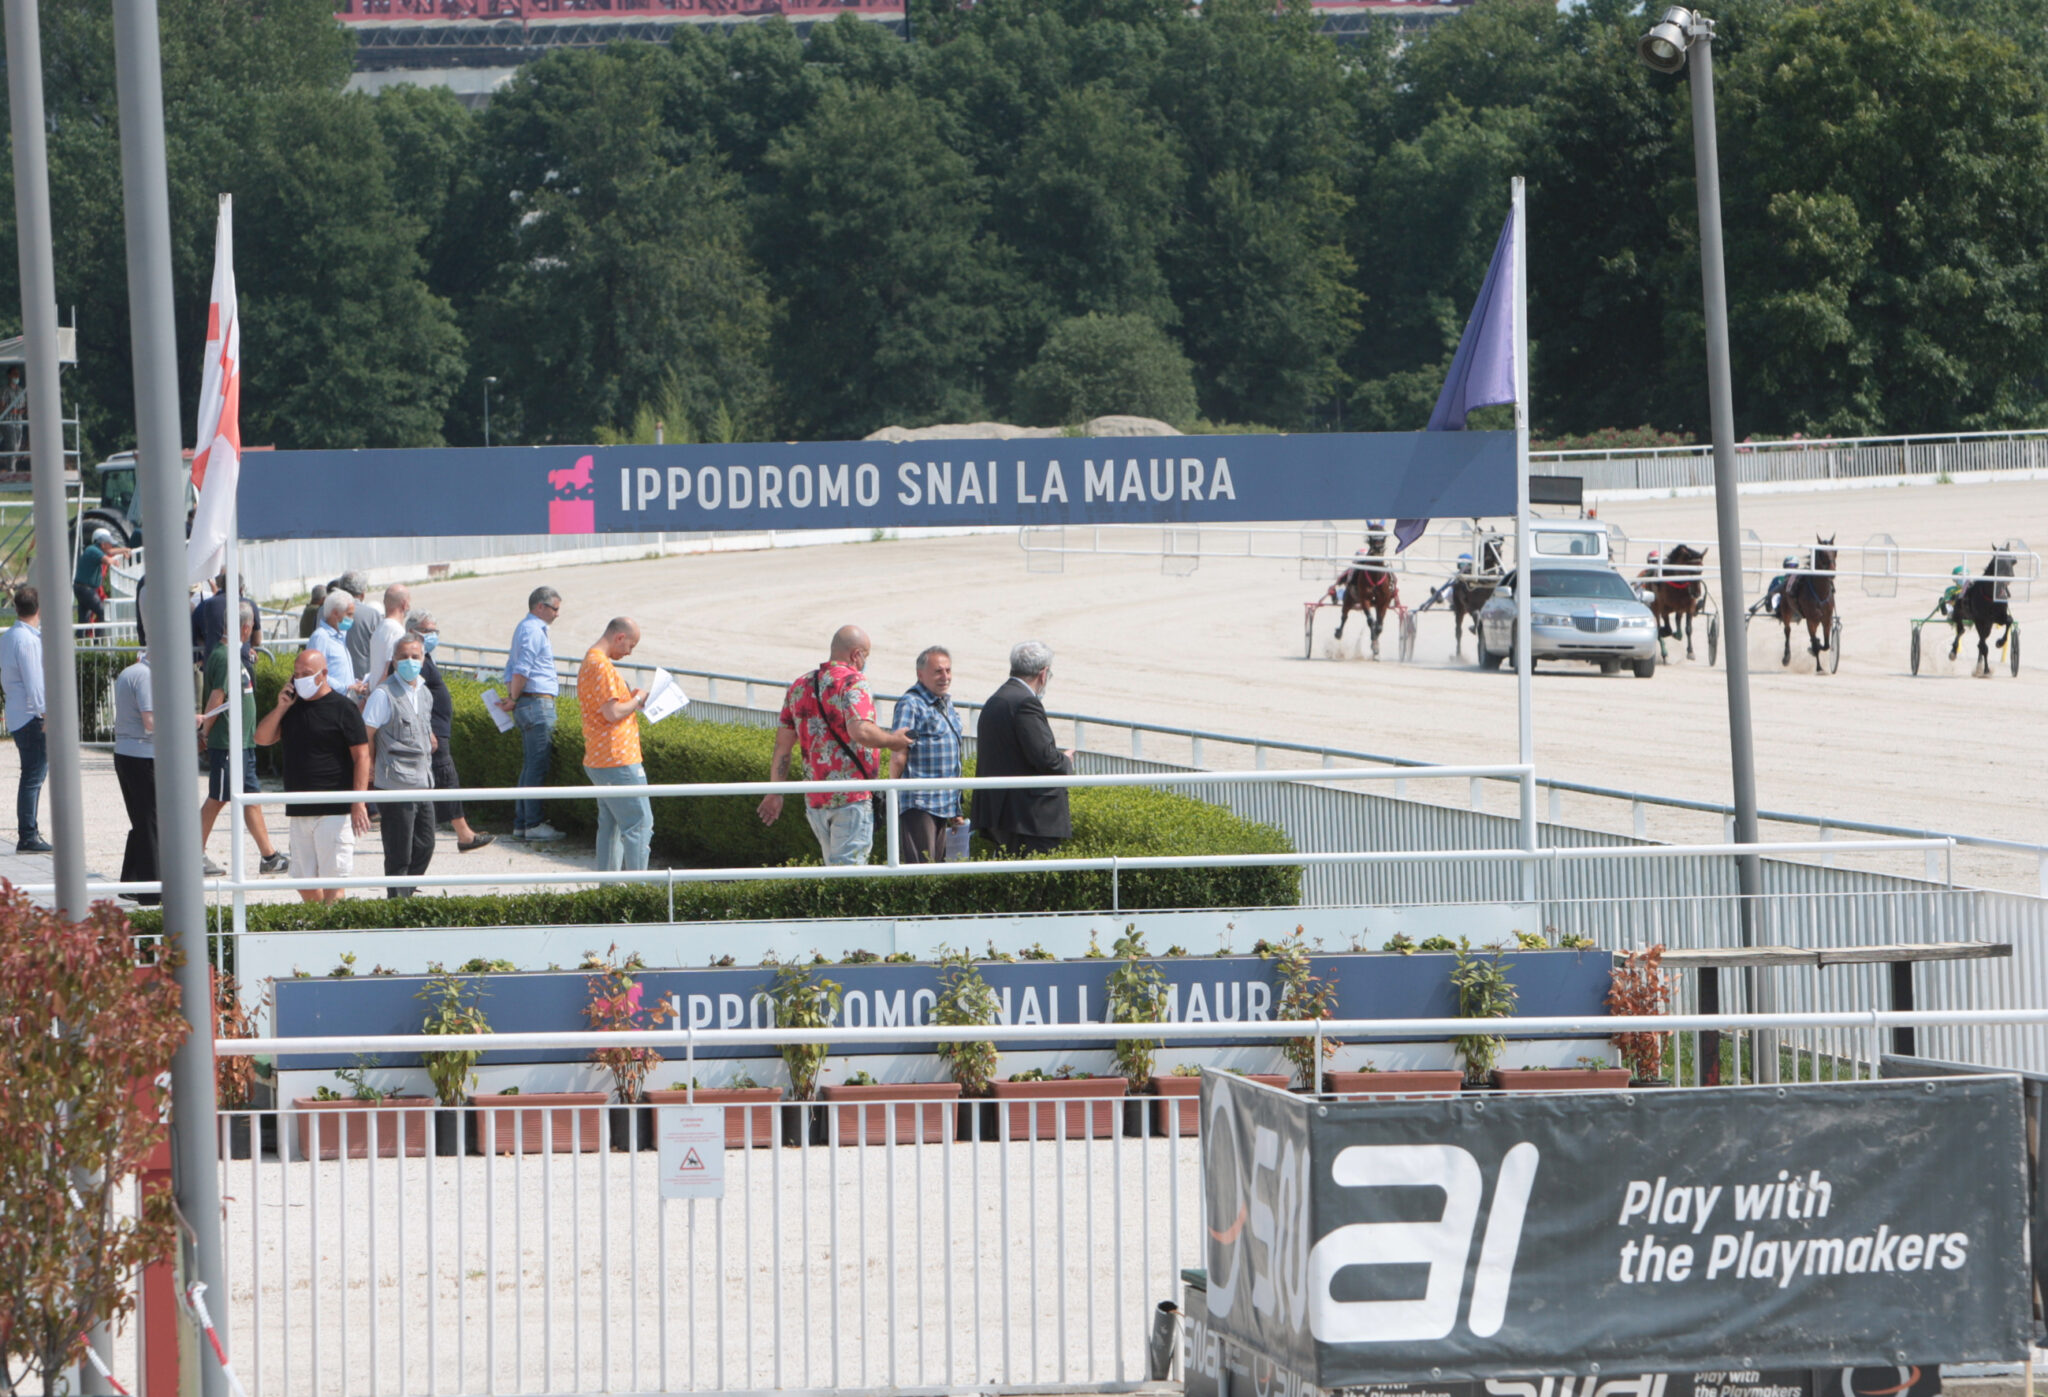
{"x": 1038, "y": 208}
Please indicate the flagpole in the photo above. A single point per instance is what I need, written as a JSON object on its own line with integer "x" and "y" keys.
{"x": 1525, "y": 726}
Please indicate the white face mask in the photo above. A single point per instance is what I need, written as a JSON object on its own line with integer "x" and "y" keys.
{"x": 307, "y": 685}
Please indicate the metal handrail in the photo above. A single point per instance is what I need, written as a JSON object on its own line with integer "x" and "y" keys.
{"x": 1703, "y": 449}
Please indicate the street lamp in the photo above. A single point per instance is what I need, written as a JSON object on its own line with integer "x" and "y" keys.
{"x": 488, "y": 381}
{"x": 1679, "y": 37}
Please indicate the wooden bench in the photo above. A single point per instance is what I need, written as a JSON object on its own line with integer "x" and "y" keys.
{"x": 1709, "y": 963}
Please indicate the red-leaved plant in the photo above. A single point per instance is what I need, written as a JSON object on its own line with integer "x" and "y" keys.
{"x": 615, "y": 1007}
{"x": 86, "y": 1037}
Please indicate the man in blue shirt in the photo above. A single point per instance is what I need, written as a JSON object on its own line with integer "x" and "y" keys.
{"x": 337, "y": 615}
{"x": 927, "y": 713}
{"x": 21, "y": 677}
{"x": 531, "y": 684}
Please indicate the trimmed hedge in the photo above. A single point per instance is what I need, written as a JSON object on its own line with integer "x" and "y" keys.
{"x": 724, "y": 832}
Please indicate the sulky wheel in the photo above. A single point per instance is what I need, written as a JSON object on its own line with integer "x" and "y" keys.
{"x": 1408, "y": 630}
{"x": 1835, "y": 648}
{"x": 1915, "y": 652}
{"x": 1713, "y": 640}
{"x": 1308, "y": 640}
{"x": 2012, "y": 652}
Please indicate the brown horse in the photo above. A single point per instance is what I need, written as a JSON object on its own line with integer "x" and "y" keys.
{"x": 1985, "y": 603}
{"x": 1677, "y": 597}
{"x": 1809, "y": 595}
{"x": 1472, "y": 590}
{"x": 1367, "y": 586}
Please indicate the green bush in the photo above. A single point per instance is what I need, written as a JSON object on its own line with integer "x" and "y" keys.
{"x": 1093, "y": 365}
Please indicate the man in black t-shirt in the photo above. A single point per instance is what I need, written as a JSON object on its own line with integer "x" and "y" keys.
{"x": 325, "y": 749}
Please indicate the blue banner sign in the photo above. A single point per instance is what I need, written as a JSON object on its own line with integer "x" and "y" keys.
{"x": 876, "y": 484}
{"x": 1215, "y": 989}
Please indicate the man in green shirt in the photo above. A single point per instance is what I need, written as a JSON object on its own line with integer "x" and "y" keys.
{"x": 213, "y": 733}
{"x": 85, "y": 583}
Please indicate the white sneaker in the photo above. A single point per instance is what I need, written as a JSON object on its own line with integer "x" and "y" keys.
{"x": 543, "y": 833}
{"x": 213, "y": 870}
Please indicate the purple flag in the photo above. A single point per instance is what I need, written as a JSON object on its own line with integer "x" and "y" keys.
{"x": 1483, "y": 370}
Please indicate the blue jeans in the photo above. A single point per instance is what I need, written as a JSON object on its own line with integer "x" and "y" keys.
{"x": 846, "y": 833}
{"x": 33, "y": 748}
{"x": 535, "y": 715}
{"x": 624, "y": 827}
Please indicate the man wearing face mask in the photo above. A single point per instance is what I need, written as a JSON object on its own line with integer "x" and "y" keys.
{"x": 213, "y": 734}
{"x": 329, "y": 639}
{"x": 325, "y": 748}
{"x": 422, "y": 624}
{"x": 398, "y": 717}
{"x": 1015, "y": 739}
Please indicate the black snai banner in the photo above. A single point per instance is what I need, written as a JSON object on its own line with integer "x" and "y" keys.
{"x": 1756, "y": 1228}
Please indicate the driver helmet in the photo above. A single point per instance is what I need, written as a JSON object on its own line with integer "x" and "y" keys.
{"x": 1464, "y": 557}
{"x": 1955, "y": 572}
{"x": 1654, "y": 556}
{"x": 1790, "y": 561}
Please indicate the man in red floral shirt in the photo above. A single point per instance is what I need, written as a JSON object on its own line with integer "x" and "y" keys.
{"x": 829, "y": 713}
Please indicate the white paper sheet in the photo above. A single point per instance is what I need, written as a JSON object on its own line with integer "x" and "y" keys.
{"x": 498, "y": 715}
{"x": 664, "y": 697}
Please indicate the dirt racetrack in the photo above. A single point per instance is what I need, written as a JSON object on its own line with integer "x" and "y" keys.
{"x": 1221, "y": 649}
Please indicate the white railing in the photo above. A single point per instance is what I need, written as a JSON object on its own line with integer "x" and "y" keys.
{"x": 1778, "y": 462}
{"x": 979, "y": 1244}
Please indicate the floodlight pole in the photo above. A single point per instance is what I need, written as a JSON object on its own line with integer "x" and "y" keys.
{"x": 1721, "y": 415}
{"x": 160, "y": 483}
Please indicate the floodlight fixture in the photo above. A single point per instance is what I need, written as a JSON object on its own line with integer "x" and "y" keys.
{"x": 1664, "y": 47}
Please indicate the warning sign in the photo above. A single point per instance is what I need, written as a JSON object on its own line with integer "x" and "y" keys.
{"x": 691, "y": 1140}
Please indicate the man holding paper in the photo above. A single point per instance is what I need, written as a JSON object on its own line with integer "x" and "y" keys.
{"x": 611, "y": 747}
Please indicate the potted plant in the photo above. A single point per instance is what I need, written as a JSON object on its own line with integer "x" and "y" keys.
{"x": 1369, "y": 1083}
{"x": 234, "y": 1077}
{"x": 749, "y": 1127}
{"x": 540, "y": 1122}
{"x": 1136, "y": 994}
{"x": 1179, "y": 1112}
{"x": 803, "y": 999}
{"x": 1304, "y": 996}
{"x": 879, "y": 1113}
{"x": 1591, "y": 1074}
{"x": 615, "y": 1006}
{"x": 1085, "y": 1109}
{"x": 966, "y": 1001}
{"x": 1484, "y": 992}
{"x": 357, "y": 1125}
{"x": 1641, "y": 988}
{"x": 452, "y": 1009}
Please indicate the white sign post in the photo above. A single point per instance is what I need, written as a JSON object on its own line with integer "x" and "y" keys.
{"x": 691, "y": 1144}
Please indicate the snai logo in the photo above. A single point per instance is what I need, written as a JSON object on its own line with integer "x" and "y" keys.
{"x": 572, "y": 499}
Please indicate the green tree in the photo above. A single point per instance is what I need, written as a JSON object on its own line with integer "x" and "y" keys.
{"x": 887, "y": 282}
{"x": 1093, "y": 365}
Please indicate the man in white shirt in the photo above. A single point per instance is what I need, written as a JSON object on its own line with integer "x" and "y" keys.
{"x": 21, "y": 678}
{"x": 135, "y": 769}
{"x": 397, "y": 602}
{"x": 399, "y": 717}
{"x": 337, "y": 617}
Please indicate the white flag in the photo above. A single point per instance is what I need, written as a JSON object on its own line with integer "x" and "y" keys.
{"x": 217, "y": 446}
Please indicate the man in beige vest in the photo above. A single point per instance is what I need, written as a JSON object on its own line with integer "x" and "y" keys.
{"x": 399, "y": 717}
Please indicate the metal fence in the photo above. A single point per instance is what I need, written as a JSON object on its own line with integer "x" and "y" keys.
{"x": 900, "y": 1245}
{"x": 1776, "y": 462}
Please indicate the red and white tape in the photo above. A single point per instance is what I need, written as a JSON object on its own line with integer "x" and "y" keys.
{"x": 100, "y": 1364}
{"x": 195, "y": 1296}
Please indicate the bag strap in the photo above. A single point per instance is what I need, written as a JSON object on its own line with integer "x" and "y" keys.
{"x": 825, "y": 715}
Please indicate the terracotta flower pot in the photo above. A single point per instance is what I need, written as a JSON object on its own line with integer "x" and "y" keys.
{"x": 566, "y": 1122}
{"x": 1390, "y": 1086}
{"x": 1190, "y": 1111}
{"x": 1560, "y": 1078}
{"x": 1090, "y": 1112}
{"x": 360, "y": 1129}
{"x": 866, "y": 1118}
{"x": 751, "y": 1126}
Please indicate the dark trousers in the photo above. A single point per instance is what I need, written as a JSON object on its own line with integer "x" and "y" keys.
{"x": 1010, "y": 842}
{"x": 137, "y": 776}
{"x": 88, "y": 599}
{"x": 921, "y": 837}
{"x": 442, "y": 763}
{"x": 33, "y": 747}
{"x": 408, "y": 830}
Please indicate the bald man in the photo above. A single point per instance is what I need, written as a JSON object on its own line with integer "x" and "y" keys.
{"x": 326, "y": 748}
{"x": 611, "y": 746}
{"x": 829, "y": 713}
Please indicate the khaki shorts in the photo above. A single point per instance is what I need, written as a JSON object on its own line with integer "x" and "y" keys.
{"x": 323, "y": 846}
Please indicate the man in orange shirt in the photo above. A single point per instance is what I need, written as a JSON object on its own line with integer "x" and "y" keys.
{"x": 611, "y": 747}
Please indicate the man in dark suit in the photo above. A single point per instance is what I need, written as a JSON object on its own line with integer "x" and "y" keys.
{"x": 1016, "y": 740}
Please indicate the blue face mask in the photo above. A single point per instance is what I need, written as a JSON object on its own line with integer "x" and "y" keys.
{"x": 430, "y": 640}
{"x": 408, "y": 670}
{"x": 344, "y": 623}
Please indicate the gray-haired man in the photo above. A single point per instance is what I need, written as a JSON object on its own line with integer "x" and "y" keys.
{"x": 531, "y": 683}
{"x": 1014, "y": 738}
{"x": 926, "y": 713}
{"x": 399, "y": 718}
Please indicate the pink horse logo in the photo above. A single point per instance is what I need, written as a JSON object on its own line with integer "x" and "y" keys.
{"x": 572, "y": 499}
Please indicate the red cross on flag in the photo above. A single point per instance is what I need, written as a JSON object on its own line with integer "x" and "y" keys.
{"x": 217, "y": 446}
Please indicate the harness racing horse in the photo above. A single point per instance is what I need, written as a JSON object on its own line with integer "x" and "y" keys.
{"x": 1676, "y": 599}
{"x": 1810, "y": 596}
{"x": 1472, "y": 590}
{"x": 1367, "y": 586}
{"x": 1985, "y": 603}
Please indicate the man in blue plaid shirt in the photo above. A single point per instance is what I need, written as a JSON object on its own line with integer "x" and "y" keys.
{"x": 927, "y": 713}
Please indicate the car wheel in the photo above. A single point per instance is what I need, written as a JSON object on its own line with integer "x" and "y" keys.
{"x": 1487, "y": 659}
{"x": 1645, "y": 668}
